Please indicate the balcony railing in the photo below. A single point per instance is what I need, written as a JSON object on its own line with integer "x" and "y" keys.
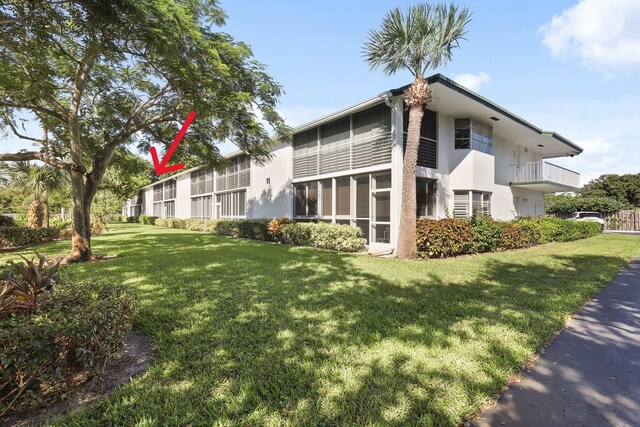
{"x": 544, "y": 172}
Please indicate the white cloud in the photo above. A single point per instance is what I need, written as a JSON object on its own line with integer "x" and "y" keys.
{"x": 472, "y": 81}
{"x": 604, "y": 34}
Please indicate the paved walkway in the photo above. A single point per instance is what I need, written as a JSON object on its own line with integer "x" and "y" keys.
{"x": 590, "y": 374}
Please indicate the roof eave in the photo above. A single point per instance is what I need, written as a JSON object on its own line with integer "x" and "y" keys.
{"x": 447, "y": 82}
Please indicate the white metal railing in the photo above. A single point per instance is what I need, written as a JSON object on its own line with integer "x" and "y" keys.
{"x": 544, "y": 171}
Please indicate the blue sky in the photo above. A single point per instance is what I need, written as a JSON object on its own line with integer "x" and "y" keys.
{"x": 568, "y": 66}
{"x": 548, "y": 75}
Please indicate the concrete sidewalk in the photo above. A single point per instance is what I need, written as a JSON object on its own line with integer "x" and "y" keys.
{"x": 590, "y": 374}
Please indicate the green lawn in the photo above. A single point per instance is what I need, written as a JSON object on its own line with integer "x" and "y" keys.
{"x": 263, "y": 334}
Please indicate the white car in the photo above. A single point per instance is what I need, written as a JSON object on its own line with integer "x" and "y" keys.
{"x": 588, "y": 217}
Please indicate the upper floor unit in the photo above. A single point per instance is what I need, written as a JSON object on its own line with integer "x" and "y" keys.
{"x": 346, "y": 167}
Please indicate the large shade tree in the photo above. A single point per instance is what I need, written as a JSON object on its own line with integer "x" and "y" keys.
{"x": 99, "y": 75}
{"x": 416, "y": 40}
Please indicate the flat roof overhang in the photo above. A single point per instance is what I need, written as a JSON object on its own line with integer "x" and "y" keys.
{"x": 545, "y": 186}
{"x": 450, "y": 98}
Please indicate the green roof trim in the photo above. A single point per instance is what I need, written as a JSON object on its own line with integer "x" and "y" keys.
{"x": 447, "y": 82}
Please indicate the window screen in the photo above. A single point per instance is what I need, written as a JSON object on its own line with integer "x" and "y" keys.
{"x": 343, "y": 196}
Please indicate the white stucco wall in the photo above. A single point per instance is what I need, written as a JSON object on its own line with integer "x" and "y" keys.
{"x": 275, "y": 198}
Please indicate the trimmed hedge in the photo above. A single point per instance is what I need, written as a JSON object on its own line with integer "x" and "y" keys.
{"x": 451, "y": 237}
{"x": 337, "y": 237}
{"x": 7, "y": 221}
{"x": 255, "y": 229}
{"x": 20, "y": 236}
{"x": 73, "y": 332}
{"x": 147, "y": 219}
{"x": 559, "y": 230}
{"x": 445, "y": 238}
{"x": 207, "y": 226}
{"x": 129, "y": 219}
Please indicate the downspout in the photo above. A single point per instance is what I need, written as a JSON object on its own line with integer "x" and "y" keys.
{"x": 387, "y": 100}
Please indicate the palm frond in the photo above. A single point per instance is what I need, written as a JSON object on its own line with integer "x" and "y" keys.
{"x": 417, "y": 40}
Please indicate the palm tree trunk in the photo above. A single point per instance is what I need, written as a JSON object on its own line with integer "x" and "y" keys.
{"x": 416, "y": 98}
{"x": 406, "y": 248}
{"x": 45, "y": 204}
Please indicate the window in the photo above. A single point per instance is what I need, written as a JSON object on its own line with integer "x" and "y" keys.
{"x": 425, "y": 197}
{"x": 327, "y": 197}
{"x": 428, "y": 147}
{"x": 201, "y": 207}
{"x": 343, "y": 196}
{"x": 232, "y": 205}
{"x": 170, "y": 190}
{"x": 335, "y": 141}
{"x": 357, "y": 141}
{"x": 467, "y": 203}
{"x": 202, "y": 181}
{"x": 306, "y": 203}
{"x": 157, "y": 209}
{"x": 236, "y": 175}
{"x": 472, "y": 134}
{"x": 169, "y": 209}
{"x": 363, "y": 201}
{"x": 157, "y": 192}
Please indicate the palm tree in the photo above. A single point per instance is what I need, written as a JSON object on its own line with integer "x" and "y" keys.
{"x": 40, "y": 180}
{"x": 421, "y": 39}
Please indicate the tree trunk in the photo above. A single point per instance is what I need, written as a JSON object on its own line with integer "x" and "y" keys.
{"x": 416, "y": 98}
{"x": 406, "y": 248}
{"x": 45, "y": 204}
{"x": 81, "y": 238}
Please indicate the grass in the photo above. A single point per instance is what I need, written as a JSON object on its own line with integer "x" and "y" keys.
{"x": 262, "y": 334}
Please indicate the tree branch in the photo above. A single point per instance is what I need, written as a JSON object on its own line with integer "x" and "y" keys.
{"x": 23, "y": 156}
{"x": 35, "y": 108}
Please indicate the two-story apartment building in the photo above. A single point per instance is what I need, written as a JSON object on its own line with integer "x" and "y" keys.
{"x": 347, "y": 168}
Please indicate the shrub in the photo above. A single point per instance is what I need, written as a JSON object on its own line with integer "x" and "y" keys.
{"x": 512, "y": 237}
{"x": 44, "y": 354}
{"x": 147, "y": 219}
{"x": 129, "y": 219}
{"x": 255, "y": 229}
{"x": 176, "y": 223}
{"x": 487, "y": 233}
{"x": 161, "y": 222}
{"x": 7, "y": 221}
{"x": 275, "y": 228}
{"x": 21, "y": 236}
{"x": 226, "y": 227}
{"x": 194, "y": 224}
{"x": 530, "y": 229}
{"x": 444, "y": 238}
{"x": 548, "y": 230}
{"x": 338, "y": 237}
{"x": 60, "y": 222}
{"x": 25, "y": 285}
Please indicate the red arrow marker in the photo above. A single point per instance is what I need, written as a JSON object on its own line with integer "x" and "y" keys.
{"x": 161, "y": 167}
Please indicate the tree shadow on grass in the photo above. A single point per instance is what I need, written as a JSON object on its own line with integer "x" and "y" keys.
{"x": 255, "y": 333}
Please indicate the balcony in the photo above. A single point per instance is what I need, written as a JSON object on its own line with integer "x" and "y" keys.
{"x": 544, "y": 176}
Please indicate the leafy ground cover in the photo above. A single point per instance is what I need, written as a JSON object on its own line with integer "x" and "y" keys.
{"x": 264, "y": 334}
